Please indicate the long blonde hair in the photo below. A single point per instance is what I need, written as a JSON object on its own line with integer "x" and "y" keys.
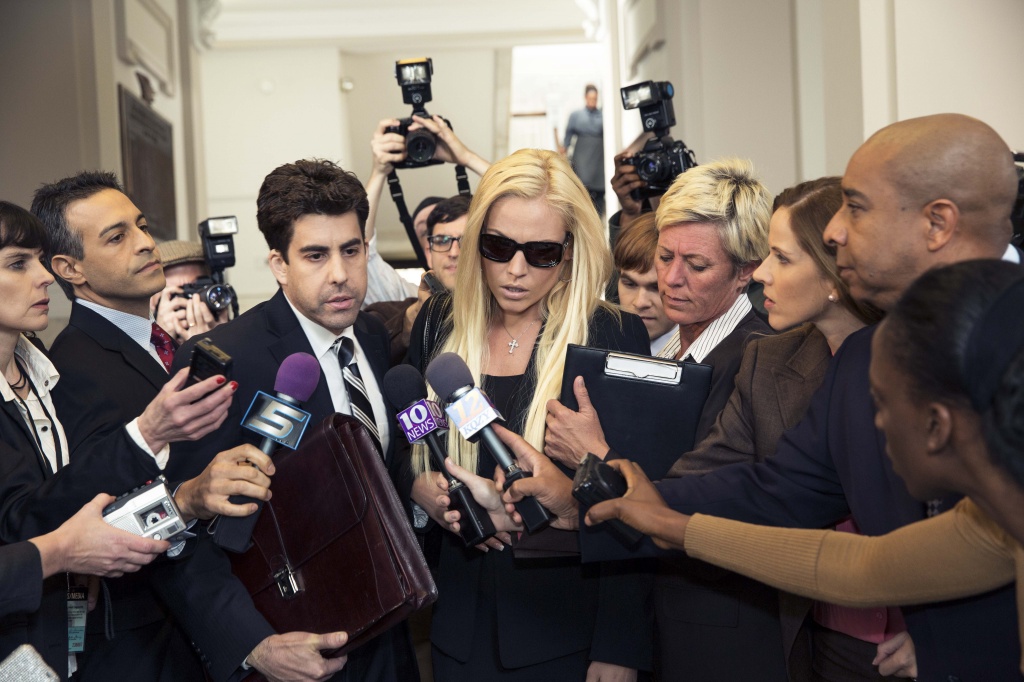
{"x": 566, "y": 310}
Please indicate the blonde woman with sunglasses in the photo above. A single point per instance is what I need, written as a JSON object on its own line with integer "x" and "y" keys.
{"x": 534, "y": 263}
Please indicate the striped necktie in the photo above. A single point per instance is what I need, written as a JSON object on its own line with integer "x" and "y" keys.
{"x": 357, "y": 396}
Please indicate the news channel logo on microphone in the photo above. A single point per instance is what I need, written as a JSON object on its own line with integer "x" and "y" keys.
{"x": 275, "y": 419}
{"x": 471, "y": 412}
{"x": 420, "y": 418}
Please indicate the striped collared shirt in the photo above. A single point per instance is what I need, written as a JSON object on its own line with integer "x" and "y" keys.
{"x": 720, "y": 327}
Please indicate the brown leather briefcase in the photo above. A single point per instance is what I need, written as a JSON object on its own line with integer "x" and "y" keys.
{"x": 333, "y": 550}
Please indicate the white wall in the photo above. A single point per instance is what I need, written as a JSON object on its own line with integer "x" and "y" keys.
{"x": 464, "y": 89}
{"x": 962, "y": 57}
{"x": 261, "y": 109}
{"x": 60, "y": 75}
{"x": 732, "y": 65}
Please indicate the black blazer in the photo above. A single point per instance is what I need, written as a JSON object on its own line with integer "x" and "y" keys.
{"x": 258, "y": 341}
{"x": 106, "y": 381}
{"x": 546, "y": 608}
{"x": 833, "y": 463}
{"x": 21, "y": 579}
{"x": 34, "y": 501}
{"x": 725, "y": 358}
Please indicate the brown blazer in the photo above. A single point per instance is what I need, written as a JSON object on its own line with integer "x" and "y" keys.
{"x": 774, "y": 384}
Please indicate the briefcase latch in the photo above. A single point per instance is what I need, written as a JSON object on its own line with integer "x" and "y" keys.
{"x": 287, "y": 582}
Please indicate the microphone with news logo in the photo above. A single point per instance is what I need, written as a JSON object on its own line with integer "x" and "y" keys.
{"x": 472, "y": 413}
{"x": 423, "y": 421}
{"x": 279, "y": 419}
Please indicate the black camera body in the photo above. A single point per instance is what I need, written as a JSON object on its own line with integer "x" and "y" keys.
{"x": 662, "y": 159}
{"x": 216, "y": 295}
{"x": 420, "y": 144}
{"x": 216, "y": 235}
{"x": 413, "y": 76}
{"x": 658, "y": 164}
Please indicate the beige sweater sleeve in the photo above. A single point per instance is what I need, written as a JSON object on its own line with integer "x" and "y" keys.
{"x": 956, "y": 554}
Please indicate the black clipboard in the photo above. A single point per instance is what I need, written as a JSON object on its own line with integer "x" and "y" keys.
{"x": 649, "y": 409}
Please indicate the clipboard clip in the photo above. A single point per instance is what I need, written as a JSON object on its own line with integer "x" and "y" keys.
{"x": 653, "y": 370}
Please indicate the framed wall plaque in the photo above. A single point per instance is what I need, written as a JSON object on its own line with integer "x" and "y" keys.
{"x": 147, "y": 154}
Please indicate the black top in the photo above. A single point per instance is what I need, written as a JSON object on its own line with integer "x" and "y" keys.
{"x": 547, "y": 608}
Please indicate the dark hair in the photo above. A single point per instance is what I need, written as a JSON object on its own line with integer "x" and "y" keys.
{"x": 635, "y": 247}
{"x": 306, "y": 187}
{"x": 929, "y": 334}
{"x": 18, "y": 227}
{"x": 50, "y": 205}
{"x": 811, "y": 206}
{"x": 429, "y": 201}
{"x": 449, "y": 210}
{"x": 589, "y": 89}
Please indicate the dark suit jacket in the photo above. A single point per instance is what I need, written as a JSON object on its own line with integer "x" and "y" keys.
{"x": 833, "y": 463}
{"x": 258, "y": 341}
{"x": 725, "y": 359}
{"x": 777, "y": 377}
{"x": 546, "y": 608}
{"x": 713, "y": 624}
{"x": 34, "y": 501}
{"x": 106, "y": 381}
{"x": 21, "y": 579}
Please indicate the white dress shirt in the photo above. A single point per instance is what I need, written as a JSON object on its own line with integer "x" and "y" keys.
{"x": 322, "y": 342}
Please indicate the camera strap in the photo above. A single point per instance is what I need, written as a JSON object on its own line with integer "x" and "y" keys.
{"x": 462, "y": 180}
{"x": 395, "y": 187}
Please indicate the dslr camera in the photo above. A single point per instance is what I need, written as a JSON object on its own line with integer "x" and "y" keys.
{"x": 413, "y": 76}
{"x": 219, "y": 253}
{"x": 662, "y": 159}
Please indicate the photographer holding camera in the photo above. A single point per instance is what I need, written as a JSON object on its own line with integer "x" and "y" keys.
{"x": 180, "y": 315}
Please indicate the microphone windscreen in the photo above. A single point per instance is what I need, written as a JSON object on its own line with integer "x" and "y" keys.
{"x": 448, "y": 373}
{"x": 403, "y": 385}
{"x": 298, "y": 376}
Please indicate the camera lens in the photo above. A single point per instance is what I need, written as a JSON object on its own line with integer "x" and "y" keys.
{"x": 420, "y": 145}
{"x": 651, "y": 168}
{"x": 217, "y": 297}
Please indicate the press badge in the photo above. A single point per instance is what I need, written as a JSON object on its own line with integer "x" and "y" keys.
{"x": 78, "y": 606}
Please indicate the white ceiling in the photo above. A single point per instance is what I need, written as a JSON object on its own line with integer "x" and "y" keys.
{"x": 381, "y": 25}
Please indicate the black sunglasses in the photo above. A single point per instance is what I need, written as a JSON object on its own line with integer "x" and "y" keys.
{"x": 538, "y": 254}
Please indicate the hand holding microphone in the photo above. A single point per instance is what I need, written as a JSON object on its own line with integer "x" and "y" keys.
{"x": 422, "y": 420}
{"x": 280, "y": 421}
{"x": 472, "y": 413}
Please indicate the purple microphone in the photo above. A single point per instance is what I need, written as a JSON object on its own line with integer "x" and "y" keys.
{"x": 280, "y": 421}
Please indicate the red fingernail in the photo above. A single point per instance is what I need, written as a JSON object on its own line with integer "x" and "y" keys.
{"x": 234, "y": 385}
{"x": 221, "y": 380}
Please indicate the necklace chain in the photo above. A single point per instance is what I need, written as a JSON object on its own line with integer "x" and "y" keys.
{"x": 514, "y": 343}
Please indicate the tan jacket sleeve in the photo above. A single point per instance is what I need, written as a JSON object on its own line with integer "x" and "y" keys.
{"x": 956, "y": 554}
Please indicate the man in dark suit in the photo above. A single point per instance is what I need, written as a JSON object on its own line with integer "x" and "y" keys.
{"x": 918, "y": 194}
{"x": 113, "y": 360}
{"x": 313, "y": 215}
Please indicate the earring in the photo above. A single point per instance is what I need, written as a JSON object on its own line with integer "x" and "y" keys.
{"x": 833, "y": 298}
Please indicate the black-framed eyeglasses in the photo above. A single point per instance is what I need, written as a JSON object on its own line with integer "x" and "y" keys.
{"x": 442, "y": 242}
{"x": 538, "y": 254}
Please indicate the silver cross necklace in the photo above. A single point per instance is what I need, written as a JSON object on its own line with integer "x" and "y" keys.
{"x": 514, "y": 343}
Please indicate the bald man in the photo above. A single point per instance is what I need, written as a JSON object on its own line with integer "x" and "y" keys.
{"x": 918, "y": 194}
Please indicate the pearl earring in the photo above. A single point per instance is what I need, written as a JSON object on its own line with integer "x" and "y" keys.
{"x": 833, "y": 298}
